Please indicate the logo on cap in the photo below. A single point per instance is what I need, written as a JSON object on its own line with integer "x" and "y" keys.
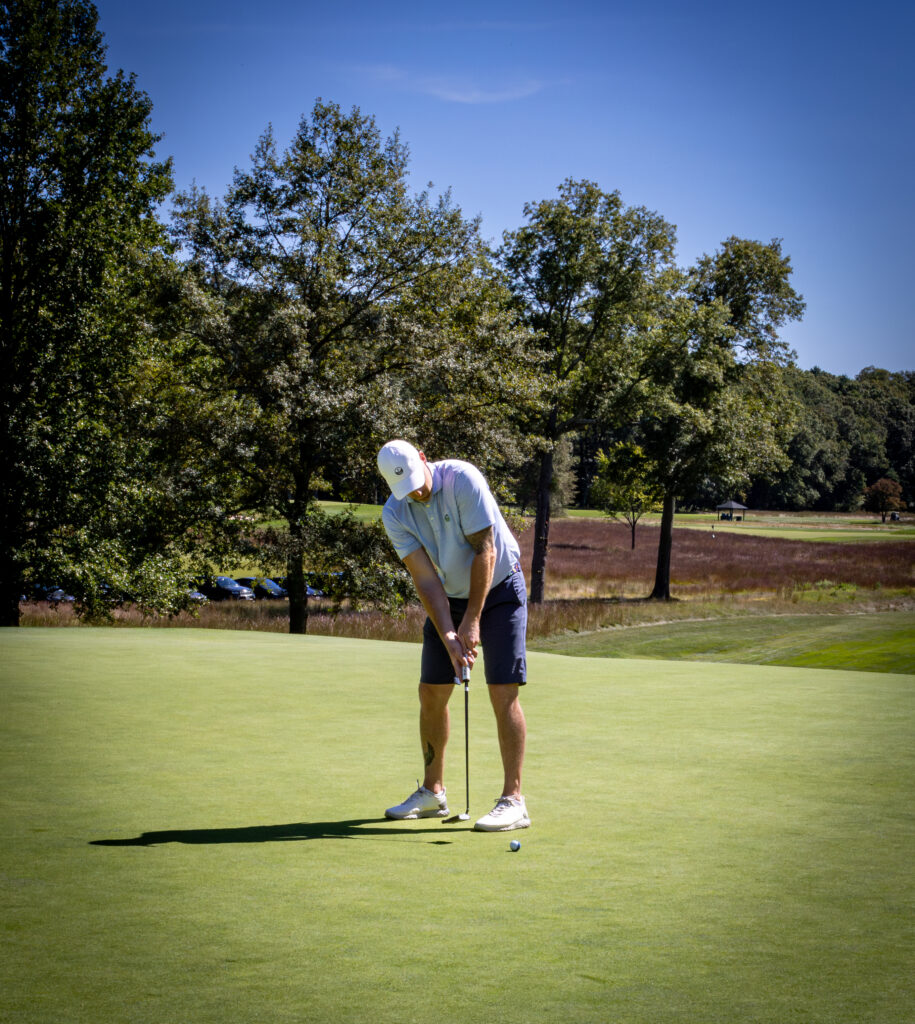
{"x": 398, "y": 470}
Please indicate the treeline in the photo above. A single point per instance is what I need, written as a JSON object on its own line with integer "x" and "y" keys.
{"x": 845, "y": 435}
{"x": 165, "y": 386}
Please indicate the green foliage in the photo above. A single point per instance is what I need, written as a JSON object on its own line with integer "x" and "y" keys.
{"x": 348, "y": 559}
{"x": 562, "y": 485}
{"x": 847, "y": 432}
{"x": 751, "y": 279}
{"x": 77, "y": 235}
{"x": 709, "y": 388}
{"x": 583, "y": 271}
{"x": 626, "y": 485}
{"x": 341, "y": 310}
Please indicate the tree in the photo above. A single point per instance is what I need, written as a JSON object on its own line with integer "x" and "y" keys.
{"x": 581, "y": 270}
{"x": 341, "y": 310}
{"x": 712, "y": 407}
{"x": 884, "y": 496}
{"x": 562, "y": 486}
{"x": 77, "y": 227}
{"x": 625, "y": 485}
{"x": 848, "y": 431}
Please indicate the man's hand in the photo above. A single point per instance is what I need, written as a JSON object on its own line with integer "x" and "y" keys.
{"x": 469, "y": 634}
{"x": 435, "y": 601}
{"x": 459, "y": 653}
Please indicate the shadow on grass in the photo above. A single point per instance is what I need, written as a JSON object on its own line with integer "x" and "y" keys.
{"x": 354, "y": 828}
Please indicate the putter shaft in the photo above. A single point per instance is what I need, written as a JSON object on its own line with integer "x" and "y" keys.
{"x": 465, "y": 678}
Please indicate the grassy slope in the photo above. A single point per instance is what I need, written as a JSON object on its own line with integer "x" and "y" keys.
{"x": 877, "y": 642}
{"x": 835, "y": 527}
{"x": 706, "y": 847}
{"x": 844, "y": 528}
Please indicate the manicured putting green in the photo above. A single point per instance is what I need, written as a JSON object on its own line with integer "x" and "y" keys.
{"x": 191, "y": 832}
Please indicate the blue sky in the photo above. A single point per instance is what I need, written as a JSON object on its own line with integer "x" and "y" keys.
{"x": 778, "y": 120}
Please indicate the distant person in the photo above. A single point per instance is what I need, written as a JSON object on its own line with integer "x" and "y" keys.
{"x": 446, "y": 526}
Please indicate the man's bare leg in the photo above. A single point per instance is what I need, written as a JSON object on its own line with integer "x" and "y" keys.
{"x": 434, "y": 730}
{"x": 512, "y": 729}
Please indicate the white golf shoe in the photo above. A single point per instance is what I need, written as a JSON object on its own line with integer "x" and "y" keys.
{"x": 421, "y": 804}
{"x": 509, "y": 813}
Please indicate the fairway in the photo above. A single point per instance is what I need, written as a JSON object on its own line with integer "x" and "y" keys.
{"x": 873, "y": 642}
{"x": 192, "y": 833}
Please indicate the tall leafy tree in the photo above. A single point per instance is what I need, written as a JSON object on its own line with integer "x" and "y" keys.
{"x": 342, "y": 309}
{"x": 80, "y": 187}
{"x": 713, "y": 408}
{"x": 582, "y": 271}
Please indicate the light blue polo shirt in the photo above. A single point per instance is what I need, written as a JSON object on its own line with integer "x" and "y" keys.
{"x": 461, "y": 504}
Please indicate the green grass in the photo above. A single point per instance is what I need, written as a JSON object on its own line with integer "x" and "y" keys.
{"x": 876, "y": 642}
{"x": 834, "y": 527}
{"x": 844, "y": 528}
{"x": 191, "y": 833}
{"x": 364, "y": 513}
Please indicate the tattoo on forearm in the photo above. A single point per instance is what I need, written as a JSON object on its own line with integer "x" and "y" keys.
{"x": 481, "y": 541}
{"x": 430, "y": 754}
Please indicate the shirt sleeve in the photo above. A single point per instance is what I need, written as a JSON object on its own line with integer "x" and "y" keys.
{"x": 405, "y": 542}
{"x": 476, "y": 505}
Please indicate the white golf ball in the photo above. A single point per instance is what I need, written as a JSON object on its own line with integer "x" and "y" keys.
{"x": 515, "y": 845}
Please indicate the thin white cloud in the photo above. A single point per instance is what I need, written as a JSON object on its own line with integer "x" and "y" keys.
{"x": 453, "y": 89}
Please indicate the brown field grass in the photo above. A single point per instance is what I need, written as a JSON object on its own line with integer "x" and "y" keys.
{"x": 594, "y": 580}
{"x": 593, "y": 558}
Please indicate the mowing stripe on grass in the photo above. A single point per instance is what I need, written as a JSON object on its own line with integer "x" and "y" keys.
{"x": 192, "y": 832}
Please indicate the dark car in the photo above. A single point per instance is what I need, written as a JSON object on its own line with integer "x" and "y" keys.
{"x": 310, "y": 591}
{"x": 262, "y": 587}
{"x": 224, "y": 588}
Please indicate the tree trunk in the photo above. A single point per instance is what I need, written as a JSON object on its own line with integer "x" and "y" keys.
{"x": 9, "y": 600}
{"x": 541, "y": 528}
{"x": 632, "y": 527}
{"x": 661, "y": 590}
{"x": 295, "y": 588}
{"x": 295, "y": 572}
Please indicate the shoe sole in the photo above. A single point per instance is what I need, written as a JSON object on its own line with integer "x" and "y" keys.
{"x": 524, "y": 823}
{"x": 442, "y": 813}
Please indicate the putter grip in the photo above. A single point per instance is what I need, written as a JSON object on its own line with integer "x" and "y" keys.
{"x": 465, "y": 673}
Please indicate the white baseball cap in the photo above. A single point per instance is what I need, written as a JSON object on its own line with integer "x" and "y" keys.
{"x": 400, "y": 464}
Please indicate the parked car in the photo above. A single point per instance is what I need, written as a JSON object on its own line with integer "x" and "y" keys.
{"x": 224, "y": 588}
{"x": 310, "y": 591}
{"x": 53, "y": 595}
{"x": 262, "y": 587}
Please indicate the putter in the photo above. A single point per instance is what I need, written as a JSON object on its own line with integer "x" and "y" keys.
{"x": 465, "y": 676}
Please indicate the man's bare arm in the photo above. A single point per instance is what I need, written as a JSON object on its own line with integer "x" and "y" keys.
{"x": 435, "y": 601}
{"x": 481, "y": 572}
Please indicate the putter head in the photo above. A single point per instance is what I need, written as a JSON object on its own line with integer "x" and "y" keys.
{"x": 456, "y": 817}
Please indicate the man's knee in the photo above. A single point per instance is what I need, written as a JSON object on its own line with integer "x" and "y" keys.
{"x": 503, "y": 695}
{"x": 434, "y": 697}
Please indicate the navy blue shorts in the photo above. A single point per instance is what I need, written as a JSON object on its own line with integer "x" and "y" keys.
{"x": 503, "y": 631}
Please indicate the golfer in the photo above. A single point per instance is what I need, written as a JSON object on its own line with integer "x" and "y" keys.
{"x": 446, "y": 526}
